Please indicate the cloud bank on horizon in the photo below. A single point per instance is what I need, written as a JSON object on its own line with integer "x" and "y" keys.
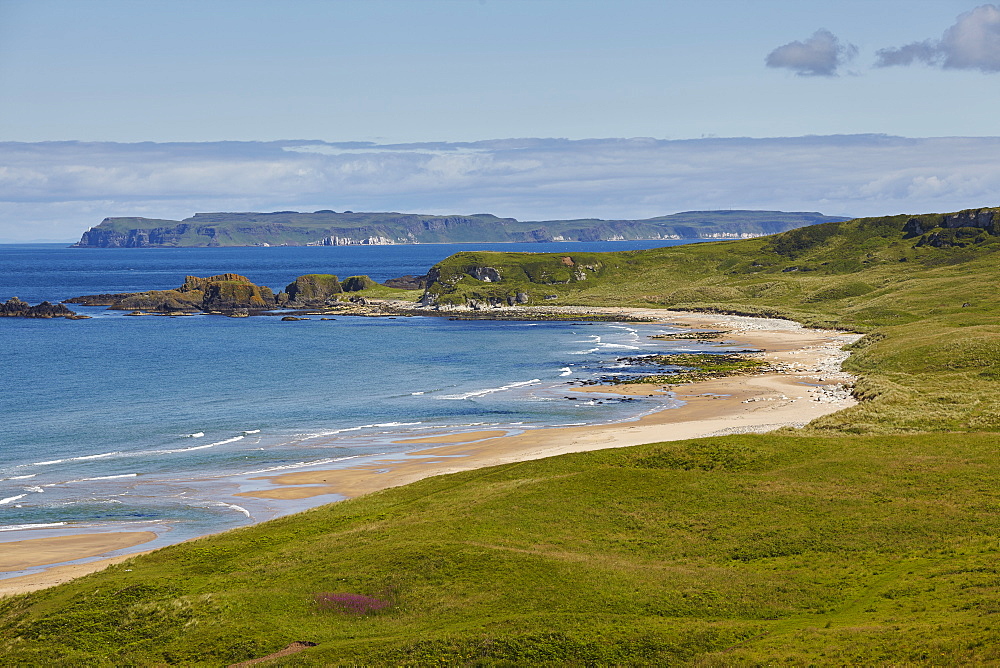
{"x": 56, "y": 190}
{"x": 972, "y": 43}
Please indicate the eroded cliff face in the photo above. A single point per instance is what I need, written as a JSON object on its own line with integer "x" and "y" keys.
{"x": 329, "y": 228}
{"x": 146, "y": 234}
{"x": 956, "y": 229}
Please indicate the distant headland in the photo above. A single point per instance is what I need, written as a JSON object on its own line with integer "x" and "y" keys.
{"x": 347, "y": 228}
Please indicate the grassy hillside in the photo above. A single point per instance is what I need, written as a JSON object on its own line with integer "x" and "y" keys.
{"x": 843, "y": 544}
{"x": 926, "y": 294}
{"x": 730, "y": 550}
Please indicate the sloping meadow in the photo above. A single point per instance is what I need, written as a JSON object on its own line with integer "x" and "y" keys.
{"x": 745, "y": 548}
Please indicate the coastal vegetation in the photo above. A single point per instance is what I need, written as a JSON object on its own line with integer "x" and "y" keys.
{"x": 868, "y": 538}
{"x": 330, "y": 228}
{"x": 922, "y": 288}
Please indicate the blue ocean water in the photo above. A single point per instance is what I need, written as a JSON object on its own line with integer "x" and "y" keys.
{"x": 154, "y": 423}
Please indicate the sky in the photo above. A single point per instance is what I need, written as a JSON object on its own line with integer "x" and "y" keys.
{"x": 163, "y": 109}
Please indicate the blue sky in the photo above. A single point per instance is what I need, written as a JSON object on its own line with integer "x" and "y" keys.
{"x": 464, "y": 71}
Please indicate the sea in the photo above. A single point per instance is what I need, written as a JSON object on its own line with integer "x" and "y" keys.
{"x": 120, "y": 423}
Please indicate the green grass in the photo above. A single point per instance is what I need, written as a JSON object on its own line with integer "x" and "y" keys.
{"x": 931, "y": 364}
{"x": 749, "y": 549}
{"x": 869, "y": 538}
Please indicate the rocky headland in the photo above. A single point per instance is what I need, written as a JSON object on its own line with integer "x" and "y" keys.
{"x": 348, "y": 228}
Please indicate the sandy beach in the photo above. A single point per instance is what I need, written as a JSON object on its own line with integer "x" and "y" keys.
{"x": 806, "y": 383}
{"x": 23, "y": 554}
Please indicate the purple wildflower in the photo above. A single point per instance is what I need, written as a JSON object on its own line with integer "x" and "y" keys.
{"x": 352, "y": 604}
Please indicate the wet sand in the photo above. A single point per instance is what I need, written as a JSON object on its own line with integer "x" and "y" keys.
{"x": 34, "y": 552}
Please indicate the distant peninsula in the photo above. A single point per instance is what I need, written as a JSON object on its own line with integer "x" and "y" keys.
{"x": 347, "y": 228}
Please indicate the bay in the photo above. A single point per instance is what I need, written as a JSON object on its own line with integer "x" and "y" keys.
{"x": 154, "y": 423}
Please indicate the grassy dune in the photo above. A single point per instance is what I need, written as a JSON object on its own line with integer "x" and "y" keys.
{"x": 870, "y": 538}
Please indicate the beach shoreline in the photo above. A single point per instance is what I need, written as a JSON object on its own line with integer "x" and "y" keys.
{"x": 805, "y": 382}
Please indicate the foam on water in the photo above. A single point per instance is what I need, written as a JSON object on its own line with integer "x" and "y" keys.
{"x": 490, "y": 390}
{"x": 22, "y": 527}
{"x": 83, "y": 458}
{"x": 234, "y": 439}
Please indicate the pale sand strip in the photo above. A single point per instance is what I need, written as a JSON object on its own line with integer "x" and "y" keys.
{"x": 750, "y": 404}
{"x": 22, "y": 554}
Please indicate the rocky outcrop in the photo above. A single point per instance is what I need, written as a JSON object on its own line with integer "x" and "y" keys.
{"x": 953, "y": 230}
{"x": 231, "y": 291}
{"x": 485, "y": 274}
{"x": 985, "y": 219}
{"x": 16, "y": 308}
{"x": 980, "y": 219}
{"x": 310, "y": 290}
{"x": 99, "y": 300}
{"x": 408, "y": 282}
{"x": 162, "y": 301}
{"x": 357, "y": 283}
{"x": 223, "y": 292}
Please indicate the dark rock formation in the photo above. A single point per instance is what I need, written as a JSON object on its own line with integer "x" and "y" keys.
{"x": 234, "y": 291}
{"x": 948, "y": 230}
{"x": 357, "y": 283}
{"x": 164, "y": 301}
{"x": 99, "y": 300}
{"x": 310, "y": 289}
{"x": 913, "y": 228}
{"x": 16, "y": 308}
{"x": 982, "y": 218}
{"x": 408, "y": 282}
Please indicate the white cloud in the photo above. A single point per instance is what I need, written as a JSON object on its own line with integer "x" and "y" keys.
{"x": 973, "y": 43}
{"x": 57, "y": 190}
{"x": 820, "y": 55}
